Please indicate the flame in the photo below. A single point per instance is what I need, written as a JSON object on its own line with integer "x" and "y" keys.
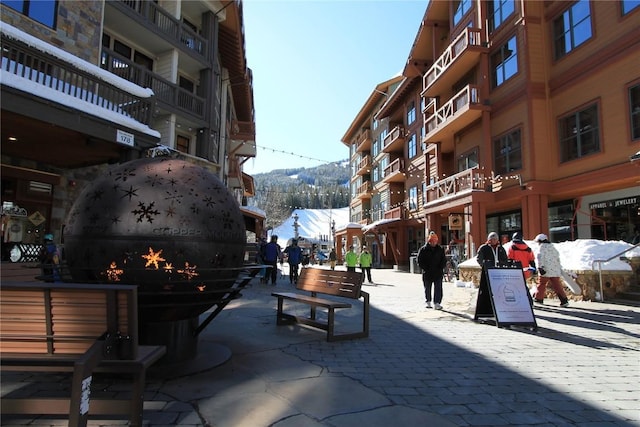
{"x": 201, "y": 287}
{"x": 153, "y": 258}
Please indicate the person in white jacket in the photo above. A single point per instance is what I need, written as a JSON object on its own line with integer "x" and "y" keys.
{"x": 550, "y": 270}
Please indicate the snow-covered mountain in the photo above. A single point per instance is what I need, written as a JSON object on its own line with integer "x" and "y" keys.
{"x": 313, "y": 224}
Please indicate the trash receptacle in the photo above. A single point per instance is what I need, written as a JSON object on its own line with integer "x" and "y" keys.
{"x": 413, "y": 265}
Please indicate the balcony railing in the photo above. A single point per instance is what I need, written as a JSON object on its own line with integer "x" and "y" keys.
{"x": 397, "y": 212}
{"x": 394, "y": 172}
{"x": 166, "y": 92}
{"x": 460, "y": 102}
{"x": 243, "y": 131}
{"x": 470, "y": 37}
{"x": 51, "y": 72}
{"x": 394, "y": 141}
{"x": 364, "y": 190}
{"x": 168, "y": 25}
{"x": 364, "y": 166}
{"x": 455, "y": 185}
{"x": 364, "y": 141}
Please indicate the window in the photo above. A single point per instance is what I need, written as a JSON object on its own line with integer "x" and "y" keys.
{"x": 579, "y": 134}
{"x": 507, "y": 152}
{"x": 499, "y": 11}
{"x": 375, "y": 149}
{"x": 413, "y": 198}
{"x": 634, "y": 106}
{"x": 42, "y": 11}
{"x": 186, "y": 84}
{"x": 411, "y": 113}
{"x": 182, "y": 144}
{"x": 504, "y": 63}
{"x": 572, "y": 28}
{"x": 468, "y": 160}
{"x": 375, "y": 124}
{"x": 376, "y": 174}
{"x": 461, "y": 10}
{"x": 412, "y": 146}
{"x": 629, "y": 5}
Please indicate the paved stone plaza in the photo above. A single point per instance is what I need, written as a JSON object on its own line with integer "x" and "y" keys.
{"x": 419, "y": 367}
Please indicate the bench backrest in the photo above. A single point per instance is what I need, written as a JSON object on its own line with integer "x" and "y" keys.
{"x": 333, "y": 282}
{"x": 67, "y": 318}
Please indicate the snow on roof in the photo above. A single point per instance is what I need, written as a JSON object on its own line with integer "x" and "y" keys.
{"x": 43, "y": 91}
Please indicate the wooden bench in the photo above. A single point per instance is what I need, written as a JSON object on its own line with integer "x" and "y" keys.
{"x": 344, "y": 284}
{"x": 78, "y": 328}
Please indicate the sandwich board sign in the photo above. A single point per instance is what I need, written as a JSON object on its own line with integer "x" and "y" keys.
{"x": 503, "y": 296}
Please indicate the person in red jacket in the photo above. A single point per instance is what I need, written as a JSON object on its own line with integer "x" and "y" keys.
{"x": 520, "y": 251}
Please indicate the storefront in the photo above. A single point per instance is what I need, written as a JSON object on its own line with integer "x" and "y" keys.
{"x": 615, "y": 219}
{"x": 27, "y": 198}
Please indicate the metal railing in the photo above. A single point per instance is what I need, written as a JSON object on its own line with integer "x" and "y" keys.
{"x": 603, "y": 261}
{"x": 43, "y": 69}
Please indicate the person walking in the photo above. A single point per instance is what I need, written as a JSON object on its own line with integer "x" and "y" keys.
{"x": 550, "y": 270}
{"x": 432, "y": 260}
{"x": 294, "y": 257}
{"x": 521, "y": 252}
{"x": 272, "y": 254}
{"x": 492, "y": 252}
{"x": 365, "y": 263}
{"x": 332, "y": 258}
{"x": 351, "y": 259}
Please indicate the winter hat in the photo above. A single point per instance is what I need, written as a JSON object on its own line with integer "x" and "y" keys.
{"x": 517, "y": 237}
{"x": 541, "y": 237}
{"x": 48, "y": 237}
{"x": 433, "y": 237}
{"x": 492, "y": 235}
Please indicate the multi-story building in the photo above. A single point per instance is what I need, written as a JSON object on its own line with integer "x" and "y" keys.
{"x": 531, "y": 117}
{"x": 88, "y": 83}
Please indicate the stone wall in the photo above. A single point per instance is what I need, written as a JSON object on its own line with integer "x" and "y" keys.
{"x": 613, "y": 282}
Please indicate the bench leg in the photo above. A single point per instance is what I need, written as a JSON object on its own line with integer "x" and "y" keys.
{"x": 137, "y": 398}
{"x": 330, "y": 320}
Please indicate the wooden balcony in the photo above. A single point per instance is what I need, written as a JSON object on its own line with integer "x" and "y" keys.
{"x": 364, "y": 167}
{"x": 461, "y": 110}
{"x": 364, "y": 191}
{"x": 234, "y": 173}
{"x": 394, "y": 141}
{"x": 364, "y": 141}
{"x": 395, "y": 172}
{"x": 456, "y": 185}
{"x": 459, "y": 57}
{"x": 397, "y": 212}
{"x": 243, "y": 139}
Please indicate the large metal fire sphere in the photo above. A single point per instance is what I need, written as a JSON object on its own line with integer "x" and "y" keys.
{"x": 166, "y": 225}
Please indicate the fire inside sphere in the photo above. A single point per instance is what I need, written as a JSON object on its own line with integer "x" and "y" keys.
{"x": 166, "y": 225}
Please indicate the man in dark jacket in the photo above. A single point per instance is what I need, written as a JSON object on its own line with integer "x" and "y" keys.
{"x": 272, "y": 254}
{"x": 432, "y": 260}
{"x": 492, "y": 251}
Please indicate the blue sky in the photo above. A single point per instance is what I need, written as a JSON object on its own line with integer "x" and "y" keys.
{"x": 314, "y": 65}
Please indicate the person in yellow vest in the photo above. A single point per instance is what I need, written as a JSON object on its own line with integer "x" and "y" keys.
{"x": 351, "y": 259}
{"x": 365, "y": 263}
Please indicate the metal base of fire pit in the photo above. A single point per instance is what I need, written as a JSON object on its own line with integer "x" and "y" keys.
{"x": 209, "y": 356}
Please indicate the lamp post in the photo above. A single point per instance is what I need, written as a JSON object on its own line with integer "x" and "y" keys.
{"x": 295, "y": 225}
{"x": 333, "y": 232}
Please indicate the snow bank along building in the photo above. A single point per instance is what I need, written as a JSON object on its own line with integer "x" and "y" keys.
{"x": 508, "y": 116}
{"x": 91, "y": 83}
